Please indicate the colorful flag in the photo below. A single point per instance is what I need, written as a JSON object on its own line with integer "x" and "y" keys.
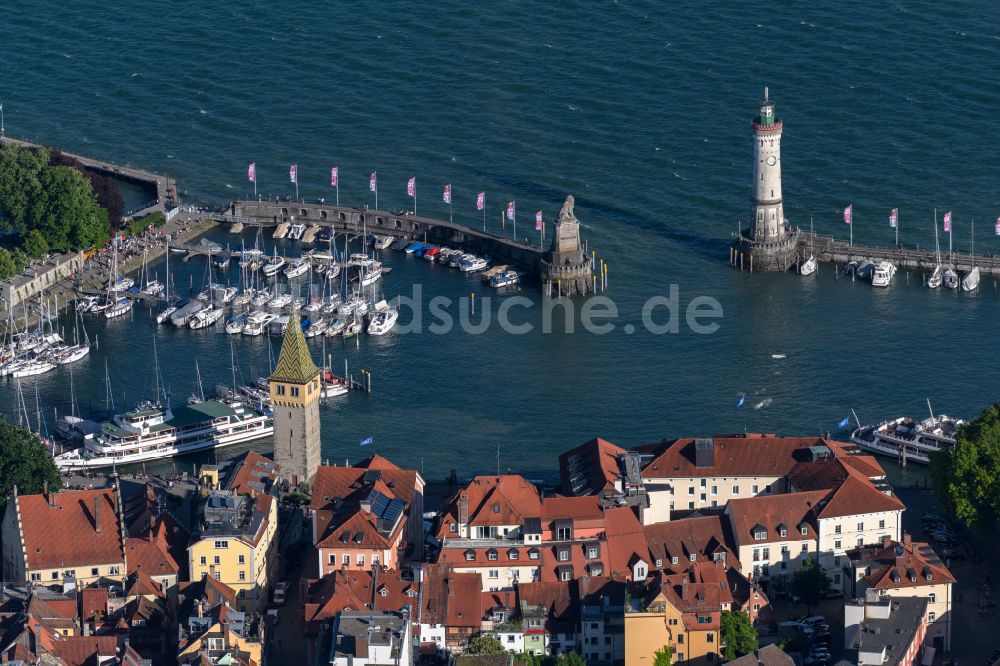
{"x": 843, "y": 424}
{"x": 447, "y": 194}
{"x": 366, "y": 441}
{"x": 411, "y": 186}
{"x": 481, "y": 202}
{"x": 372, "y": 183}
{"x": 947, "y": 222}
{"x": 334, "y": 173}
{"x": 291, "y": 173}
{"x": 252, "y": 172}
{"x": 848, "y": 214}
{"x": 998, "y": 226}
{"x": 510, "y": 210}
{"x": 893, "y": 216}
{"x": 538, "y": 221}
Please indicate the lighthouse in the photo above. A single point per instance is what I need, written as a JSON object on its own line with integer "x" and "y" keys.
{"x": 768, "y": 217}
{"x": 768, "y": 245}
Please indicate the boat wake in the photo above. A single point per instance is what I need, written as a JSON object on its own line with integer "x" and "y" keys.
{"x": 778, "y": 356}
{"x": 766, "y": 402}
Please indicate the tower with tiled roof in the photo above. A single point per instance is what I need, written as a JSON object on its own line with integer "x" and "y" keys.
{"x": 295, "y": 391}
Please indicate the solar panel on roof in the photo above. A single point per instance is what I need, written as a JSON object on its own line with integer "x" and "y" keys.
{"x": 379, "y": 502}
{"x": 393, "y": 510}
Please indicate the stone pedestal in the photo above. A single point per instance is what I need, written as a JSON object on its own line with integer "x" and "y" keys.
{"x": 566, "y": 269}
{"x": 778, "y": 255}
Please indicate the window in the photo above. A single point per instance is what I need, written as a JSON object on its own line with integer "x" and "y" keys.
{"x": 736, "y": 490}
{"x": 333, "y": 558}
{"x": 659, "y": 563}
{"x": 566, "y": 575}
{"x": 494, "y": 573}
{"x": 836, "y": 529}
{"x": 861, "y": 527}
{"x": 295, "y": 391}
{"x": 513, "y": 554}
{"x": 703, "y": 497}
{"x": 680, "y": 639}
{"x": 454, "y": 527}
{"x": 836, "y": 560}
{"x": 704, "y": 619}
{"x": 35, "y": 577}
{"x": 93, "y": 571}
{"x": 673, "y": 560}
{"x": 760, "y": 535}
{"x": 592, "y": 552}
{"x": 690, "y": 505}
{"x": 564, "y": 533}
{"x": 861, "y": 541}
{"x": 680, "y": 656}
{"x": 374, "y": 559}
{"x": 783, "y": 532}
{"x": 931, "y": 616}
{"x": 532, "y": 554}
{"x": 216, "y": 644}
{"x": 691, "y": 490}
{"x": 836, "y": 544}
{"x": 491, "y": 555}
{"x": 114, "y": 571}
{"x": 470, "y": 555}
{"x": 710, "y": 637}
{"x": 672, "y": 622}
{"x": 216, "y": 560}
{"x": 280, "y": 389}
{"x": 243, "y": 574}
{"x": 803, "y": 530}
{"x": 836, "y": 579}
{"x": 346, "y": 559}
{"x": 241, "y": 559}
{"x": 693, "y": 556}
{"x": 767, "y": 489}
{"x": 715, "y": 490}
{"x": 563, "y": 554}
{"x": 640, "y": 572}
{"x": 222, "y": 544}
{"x": 766, "y": 553}
{"x": 361, "y": 559}
{"x": 204, "y": 561}
{"x": 704, "y": 482}
{"x": 715, "y": 503}
{"x": 881, "y": 524}
{"x": 755, "y": 489}
{"x": 805, "y": 548}
{"x": 218, "y": 575}
{"x": 931, "y": 597}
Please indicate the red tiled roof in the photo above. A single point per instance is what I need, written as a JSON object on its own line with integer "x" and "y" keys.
{"x": 702, "y": 535}
{"x": 734, "y": 456}
{"x": 578, "y": 508}
{"x": 140, "y": 584}
{"x": 552, "y": 566}
{"x": 150, "y": 556}
{"x": 560, "y": 600}
{"x": 345, "y": 532}
{"x": 691, "y": 597}
{"x": 891, "y": 565}
{"x": 93, "y": 600}
{"x": 83, "y": 650}
{"x": 867, "y": 465}
{"x": 375, "y": 461}
{"x": 253, "y": 474}
{"x": 589, "y": 468}
{"x": 353, "y": 590}
{"x": 791, "y": 510}
{"x": 346, "y": 482}
{"x": 601, "y": 590}
{"x": 493, "y": 500}
{"x": 66, "y": 535}
{"x": 626, "y": 541}
{"x": 451, "y": 598}
{"x": 857, "y": 495}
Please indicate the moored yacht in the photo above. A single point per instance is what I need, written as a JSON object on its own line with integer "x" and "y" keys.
{"x": 383, "y": 321}
{"x": 883, "y": 274}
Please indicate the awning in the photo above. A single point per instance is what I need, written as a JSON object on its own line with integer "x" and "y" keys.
{"x": 928, "y": 658}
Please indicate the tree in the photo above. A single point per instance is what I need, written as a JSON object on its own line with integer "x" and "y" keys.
{"x": 486, "y": 644}
{"x": 570, "y": 659}
{"x": 663, "y": 656}
{"x": 7, "y": 266}
{"x": 24, "y": 462}
{"x": 967, "y": 477}
{"x": 738, "y": 634}
{"x": 34, "y": 244}
{"x": 810, "y": 583}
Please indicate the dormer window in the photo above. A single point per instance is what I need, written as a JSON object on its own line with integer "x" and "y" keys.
{"x": 804, "y": 530}
{"x": 491, "y": 555}
{"x": 470, "y": 555}
{"x": 384, "y": 592}
{"x": 512, "y": 554}
{"x": 783, "y": 532}
{"x": 564, "y": 554}
{"x": 659, "y": 563}
{"x": 673, "y": 560}
{"x": 693, "y": 556}
{"x": 453, "y": 527}
{"x": 496, "y": 507}
{"x": 759, "y": 534}
{"x": 533, "y": 554}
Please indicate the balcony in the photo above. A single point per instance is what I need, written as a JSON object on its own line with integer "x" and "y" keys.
{"x": 499, "y": 542}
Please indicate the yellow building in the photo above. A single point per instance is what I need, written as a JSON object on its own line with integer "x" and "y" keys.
{"x": 235, "y": 543}
{"x": 678, "y": 613}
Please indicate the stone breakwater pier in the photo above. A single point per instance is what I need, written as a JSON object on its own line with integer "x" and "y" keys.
{"x": 564, "y": 269}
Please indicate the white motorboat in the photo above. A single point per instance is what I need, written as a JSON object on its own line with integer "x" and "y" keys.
{"x": 472, "y": 265}
{"x": 383, "y": 321}
{"x": 165, "y": 313}
{"x": 224, "y": 294}
{"x": 332, "y": 389}
{"x": 883, "y": 274}
{"x": 260, "y": 299}
{"x": 296, "y": 231}
{"x": 118, "y": 308}
{"x": 360, "y": 259}
{"x": 257, "y": 322}
{"x": 279, "y": 301}
{"x": 505, "y": 279}
{"x": 87, "y": 303}
{"x": 951, "y": 280}
{"x": 296, "y": 268}
{"x": 808, "y": 267}
{"x": 383, "y": 242}
{"x": 205, "y": 318}
{"x": 318, "y": 327}
{"x": 272, "y": 267}
{"x": 235, "y": 324}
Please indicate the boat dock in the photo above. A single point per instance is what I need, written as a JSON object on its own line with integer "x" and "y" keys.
{"x": 833, "y": 251}
{"x": 343, "y": 219}
{"x": 164, "y": 186}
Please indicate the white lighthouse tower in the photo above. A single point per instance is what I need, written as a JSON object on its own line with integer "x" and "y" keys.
{"x": 768, "y": 217}
{"x": 769, "y": 245}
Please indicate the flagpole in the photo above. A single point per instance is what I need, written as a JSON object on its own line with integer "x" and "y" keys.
{"x": 897, "y": 228}
{"x": 514, "y": 220}
{"x": 376, "y": 193}
{"x": 296, "y": 182}
{"x": 484, "y": 210}
{"x": 851, "y": 225}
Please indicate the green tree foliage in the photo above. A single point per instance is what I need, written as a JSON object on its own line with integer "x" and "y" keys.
{"x": 7, "y": 266}
{"x": 967, "y": 478}
{"x": 662, "y": 657}
{"x": 136, "y": 227}
{"x": 24, "y": 462}
{"x": 109, "y": 197}
{"x": 739, "y": 635}
{"x": 57, "y": 201}
{"x": 570, "y": 659}
{"x": 34, "y": 244}
{"x": 486, "y": 644}
{"x": 810, "y": 583}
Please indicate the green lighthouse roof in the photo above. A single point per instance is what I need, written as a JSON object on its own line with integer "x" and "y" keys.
{"x": 295, "y": 364}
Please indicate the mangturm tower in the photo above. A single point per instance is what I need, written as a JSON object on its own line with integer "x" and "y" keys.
{"x": 295, "y": 391}
{"x": 769, "y": 246}
{"x": 566, "y": 269}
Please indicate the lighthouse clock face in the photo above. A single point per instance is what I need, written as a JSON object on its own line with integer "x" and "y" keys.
{"x": 771, "y": 160}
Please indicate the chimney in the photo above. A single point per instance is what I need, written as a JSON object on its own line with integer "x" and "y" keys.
{"x": 463, "y": 509}
{"x": 97, "y": 514}
{"x": 907, "y": 541}
{"x": 200, "y": 605}
{"x": 684, "y": 588}
{"x": 50, "y": 498}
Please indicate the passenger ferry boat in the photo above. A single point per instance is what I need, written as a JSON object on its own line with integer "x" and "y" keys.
{"x": 153, "y": 432}
{"x": 907, "y": 439}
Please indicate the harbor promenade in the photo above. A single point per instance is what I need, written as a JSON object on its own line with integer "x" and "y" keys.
{"x": 345, "y": 219}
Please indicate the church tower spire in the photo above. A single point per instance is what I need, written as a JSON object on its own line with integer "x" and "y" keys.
{"x": 295, "y": 391}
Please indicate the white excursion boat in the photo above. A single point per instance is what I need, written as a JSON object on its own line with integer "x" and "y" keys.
{"x": 908, "y": 438}
{"x": 152, "y": 432}
{"x": 883, "y": 274}
{"x": 383, "y": 321}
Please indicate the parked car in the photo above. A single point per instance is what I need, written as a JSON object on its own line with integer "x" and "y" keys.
{"x": 813, "y": 619}
{"x": 280, "y": 592}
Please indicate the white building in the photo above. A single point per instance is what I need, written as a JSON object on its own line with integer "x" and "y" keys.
{"x": 364, "y": 638}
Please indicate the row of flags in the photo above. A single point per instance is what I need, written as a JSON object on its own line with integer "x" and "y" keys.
{"x": 741, "y": 400}
{"x": 411, "y": 189}
{"x": 894, "y": 219}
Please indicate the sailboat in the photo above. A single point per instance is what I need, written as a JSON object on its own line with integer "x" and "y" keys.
{"x": 118, "y": 305}
{"x": 950, "y": 276}
{"x": 78, "y": 350}
{"x": 970, "y": 282}
{"x": 937, "y": 275}
{"x": 808, "y": 267}
{"x": 170, "y": 308}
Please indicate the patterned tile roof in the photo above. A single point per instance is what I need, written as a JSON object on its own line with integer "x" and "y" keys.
{"x": 295, "y": 364}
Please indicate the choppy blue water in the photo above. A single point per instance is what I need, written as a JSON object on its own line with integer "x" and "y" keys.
{"x": 642, "y": 111}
